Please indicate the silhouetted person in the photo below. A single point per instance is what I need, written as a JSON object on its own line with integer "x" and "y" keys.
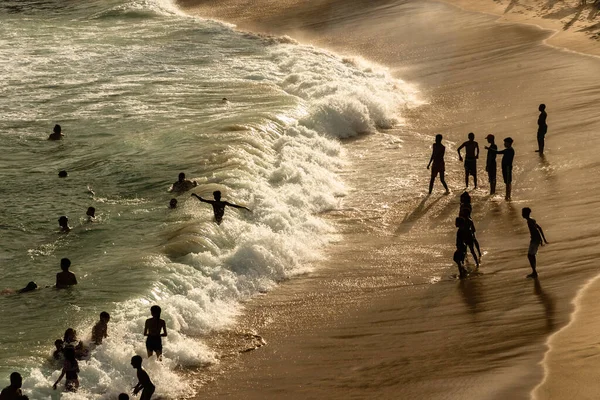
{"x": 218, "y": 205}
{"x": 31, "y": 286}
{"x": 100, "y": 330}
{"x": 70, "y": 369}
{"x": 65, "y": 278}
{"x": 70, "y": 340}
{"x": 471, "y": 226}
{"x": 91, "y": 214}
{"x": 56, "y": 133}
{"x": 465, "y": 204}
{"x": 471, "y": 156}
{"x": 182, "y": 184}
{"x": 13, "y": 391}
{"x": 123, "y": 396}
{"x": 155, "y": 329}
{"x": 542, "y": 128}
{"x": 144, "y": 383}
{"x": 63, "y": 222}
{"x": 461, "y": 246}
{"x": 439, "y": 166}
{"x": 58, "y": 353}
{"x": 62, "y": 174}
{"x": 537, "y": 239}
{"x": 508, "y": 155}
{"x": 490, "y": 163}
{"x": 173, "y": 204}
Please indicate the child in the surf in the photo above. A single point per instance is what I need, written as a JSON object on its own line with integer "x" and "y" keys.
{"x": 155, "y": 329}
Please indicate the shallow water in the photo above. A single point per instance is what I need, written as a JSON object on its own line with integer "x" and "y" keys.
{"x": 137, "y": 87}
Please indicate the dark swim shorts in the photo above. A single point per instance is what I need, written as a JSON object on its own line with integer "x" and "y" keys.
{"x": 154, "y": 343}
{"x": 471, "y": 166}
{"x": 507, "y": 174}
{"x": 491, "y": 171}
{"x": 438, "y": 168}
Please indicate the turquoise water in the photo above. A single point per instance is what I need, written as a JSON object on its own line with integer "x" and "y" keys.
{"x": 137, "y": 87}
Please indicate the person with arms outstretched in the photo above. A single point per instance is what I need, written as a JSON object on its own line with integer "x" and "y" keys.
{"x": 542, "y": 128}
{"x": 439, "y": 167}
{"x": 490, "y": 163}
{"x": 218, "y": 205}
{"x": 144, "y": 383}
{"x": 537, "y": 239}
{"x": 508, "y": 155}
{"x": 471, "y": 156}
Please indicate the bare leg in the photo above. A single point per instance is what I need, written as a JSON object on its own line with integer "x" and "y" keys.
{"x": 443, "y": 182}
{"x": 475, "y": 178}
{"x": 466, "y": 178}
{"x": 474, "y": 255}
{"x": 476, "y": 242}
{"x": 431, "y": 184}
{"x": 532, "y": 263}
{"x": 508, "y": 190}
{"x": 492, "y": 187}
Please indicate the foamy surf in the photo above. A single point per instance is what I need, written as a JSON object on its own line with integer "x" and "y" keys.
{"x": 147, "y": 95}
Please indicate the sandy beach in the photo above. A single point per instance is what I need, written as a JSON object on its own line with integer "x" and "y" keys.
{"x": 382, "y": 317}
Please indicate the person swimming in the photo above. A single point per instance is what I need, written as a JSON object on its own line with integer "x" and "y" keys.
{"x": 91, "y": 214}
{"x": 31, "y": 286}
{"x": 218, "y": 205}
{"x": 63, "y": 222}
{"x": 56, "y": 133}
{"x": 62, "y": 173}
{"x": 182, "y": 184}
{"x": 65, "y": 278}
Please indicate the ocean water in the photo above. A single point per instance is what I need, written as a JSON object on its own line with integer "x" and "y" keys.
{"x": 137, "y": 87}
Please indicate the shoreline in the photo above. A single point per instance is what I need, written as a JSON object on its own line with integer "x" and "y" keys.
{"x": 271, "y": 313}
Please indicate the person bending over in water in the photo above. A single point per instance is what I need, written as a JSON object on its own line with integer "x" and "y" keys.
{"x": 219, "y": 206}
{"x": 439, "y": 167}
{"x": 100, "y": 330}
{"x": 13, "y": 391}
{"x": 63, "y": 222}
{"x": 144, "y": 383}
{"x": 70, "y": 369}
{"x": 537, "y": 239}
{"x": 56, "y": 133}
{"x": 182, "y": 184}
{"x": 471, "y": 156}
{"x": 508, "y": 155}
{"x": 152, "y": 329}
{"x": 70, "y": 340}
{"x": 65, "y": 278}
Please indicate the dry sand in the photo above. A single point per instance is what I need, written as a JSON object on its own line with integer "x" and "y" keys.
{"x": 365, "y": 324}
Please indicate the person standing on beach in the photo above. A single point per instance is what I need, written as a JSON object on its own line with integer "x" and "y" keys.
{"x": 537, "y": 239}
{"x": 439, "y": 167}
{"x": 490, "y": 163}
{"x": 13, "y": 391}
{"x": 542, "y": 128}
{"x": 508, "y": 155}
{"x": 471, "y": 156}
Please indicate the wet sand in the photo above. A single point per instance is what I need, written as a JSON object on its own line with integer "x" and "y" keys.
{"x": 382, "y": 317}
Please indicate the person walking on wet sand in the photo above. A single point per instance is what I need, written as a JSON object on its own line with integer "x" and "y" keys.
{"x": 490, "y": 163}
{"x": 218, "y": 205}
{"x": 439, "y": 167}
{"x": 471, "y": 156}
{"x": 460, "y": 254}
{"x": 152, "y": 329}
{"x": 537, "y": 239}
{"x": 542, "y": 128}
{"x": 144, "y": 383}
{"x": 508, "y": 155}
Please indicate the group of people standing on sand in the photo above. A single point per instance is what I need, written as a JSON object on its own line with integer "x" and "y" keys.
{"x": 70, "y": 349}
{"x": 465, "y": 235}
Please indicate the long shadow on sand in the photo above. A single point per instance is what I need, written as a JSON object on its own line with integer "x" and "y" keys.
{"x": 411, "y": 218}
{"x": 470, "y": 290}
{"x": 548, "y": 303}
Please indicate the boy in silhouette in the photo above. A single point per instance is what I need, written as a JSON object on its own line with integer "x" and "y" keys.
{"x": 542, "y": 128}
{"x": 63, "y": 222}
{"x": 91, "y": 214}
{"x": 461, "y": 245}
{"x": 144, "y": 383}
{"x": 490, "y": 163}
{"x": 152, "y": 329}
{"x": 56, "y": 133}
{"x": 13, "y": 391}
{"x": 182, "y": 184}
{"x": 471, "y": 156}
{"x": 537, "y": 239}
{"x": 100, "y": 330}
{"x": 508, "y": 155}
{"x": 218, "y": 205}
{"x": 65, "y": 278}
{"x": 439, "y": 167}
